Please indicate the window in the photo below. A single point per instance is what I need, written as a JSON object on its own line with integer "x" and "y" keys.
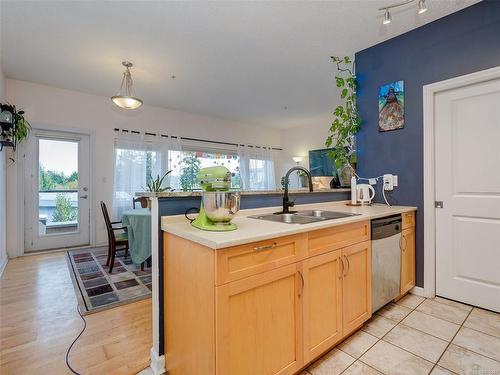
{"x": 135, "y": 166}
{"x": 137, "y": 160}
{"x": 257, "y": 168}
{"x": 186, "y": 164}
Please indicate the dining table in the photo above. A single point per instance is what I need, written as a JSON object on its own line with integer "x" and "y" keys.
{"x": 138, "y": 224}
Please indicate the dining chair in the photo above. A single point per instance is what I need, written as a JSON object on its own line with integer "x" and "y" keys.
{"x": 116, "y": 241}
{"x": 142, "y": 200}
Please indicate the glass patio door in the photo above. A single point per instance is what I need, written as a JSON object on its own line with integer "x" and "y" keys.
{"x": 57, "y": 196}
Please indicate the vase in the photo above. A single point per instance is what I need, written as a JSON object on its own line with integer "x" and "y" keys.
{"x": 345, "y": 174}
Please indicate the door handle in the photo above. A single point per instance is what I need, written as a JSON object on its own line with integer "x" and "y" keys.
{"x": 348, "y": 265}
{"x": 84, "y": 196}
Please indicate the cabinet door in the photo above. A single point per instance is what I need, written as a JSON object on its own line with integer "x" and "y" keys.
{"x": 258, "y": 324}
{"x": 407, "y": 260}
{"x": 322, "y": 303}
{"x": 356, "y": 289}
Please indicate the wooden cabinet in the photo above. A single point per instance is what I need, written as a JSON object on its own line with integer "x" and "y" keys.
{"x": 407, "y": 259}
{"x": 408, "y": 219}
{"x": 325, "y": 240}
{"x": 356, "y": 295}
{"x": 250, "y": 259}
{"x": 259, "y": 324}
{"x": 337, "y": 296}
{"x": 322, "y": 303}
{"x": 266, "y": 308}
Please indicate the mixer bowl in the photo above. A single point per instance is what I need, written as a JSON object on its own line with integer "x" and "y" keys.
{"x": 220, "y": 206}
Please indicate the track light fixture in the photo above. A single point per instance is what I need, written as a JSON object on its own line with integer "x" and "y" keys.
{"x": 422, "y": 8}
{"x": 387, "y": 17}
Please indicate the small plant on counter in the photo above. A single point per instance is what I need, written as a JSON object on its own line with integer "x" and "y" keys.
{"x": 155, "y": 184}
{"x": 346, "y": 122}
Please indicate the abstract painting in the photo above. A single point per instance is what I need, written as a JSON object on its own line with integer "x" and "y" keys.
{"x": 391, "y": 106}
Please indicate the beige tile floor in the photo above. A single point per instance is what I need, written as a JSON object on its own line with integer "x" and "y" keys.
{"x": 418, "y": 336}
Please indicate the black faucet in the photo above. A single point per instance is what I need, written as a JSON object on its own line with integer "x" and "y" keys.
{"x": 286, "y": 201}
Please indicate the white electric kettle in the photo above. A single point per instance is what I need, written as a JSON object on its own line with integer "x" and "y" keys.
{"x": 365, "y": 193}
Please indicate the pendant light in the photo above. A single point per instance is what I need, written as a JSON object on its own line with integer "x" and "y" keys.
{"x": 124, "y": 99}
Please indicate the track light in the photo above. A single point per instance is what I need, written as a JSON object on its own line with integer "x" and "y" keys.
{"x": 422, "y": 8}
{"x": 387, "y": 17}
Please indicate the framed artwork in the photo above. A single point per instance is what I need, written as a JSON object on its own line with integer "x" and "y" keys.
{"x": 391, "y": 106}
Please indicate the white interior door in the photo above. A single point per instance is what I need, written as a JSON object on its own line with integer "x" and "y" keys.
{"x": 467, "y": 139}
{"x": 57, "y": 195}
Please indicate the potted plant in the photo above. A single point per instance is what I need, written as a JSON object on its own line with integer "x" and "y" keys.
{"x": 155, "y": 184}
{"x": 346, "y": 122}
{"x": 14, "y": 127}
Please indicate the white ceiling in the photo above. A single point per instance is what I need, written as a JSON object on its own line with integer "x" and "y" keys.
{"x": 244, "y": 61}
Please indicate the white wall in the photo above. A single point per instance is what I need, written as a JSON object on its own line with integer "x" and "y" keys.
{"x": 3, "y": 191}
{"x": 54, "y": 107}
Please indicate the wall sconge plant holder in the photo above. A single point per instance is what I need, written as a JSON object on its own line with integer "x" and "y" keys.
{"x": 13, "y": 126}
{"x": 7, "y": 129}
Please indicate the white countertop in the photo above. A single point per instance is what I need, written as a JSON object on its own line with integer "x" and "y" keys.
{"x": 251, "y": 230}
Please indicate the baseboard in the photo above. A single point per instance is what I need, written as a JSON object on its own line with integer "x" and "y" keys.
{"x": 3, "y": 265}
{"x": 146, "y": 371}
{"x": 157, "y": 363}
{"x": 418, "y": 291}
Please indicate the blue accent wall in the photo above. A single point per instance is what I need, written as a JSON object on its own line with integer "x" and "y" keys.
{"x": 461, "y": 43}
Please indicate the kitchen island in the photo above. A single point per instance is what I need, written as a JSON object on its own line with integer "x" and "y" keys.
{"x": 268, "y": 298}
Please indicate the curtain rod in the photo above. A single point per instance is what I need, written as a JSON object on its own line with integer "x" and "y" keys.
{"x": 193, "y": 139}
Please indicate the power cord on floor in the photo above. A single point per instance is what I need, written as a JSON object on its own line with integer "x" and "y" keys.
{"x": 74, "y": 341}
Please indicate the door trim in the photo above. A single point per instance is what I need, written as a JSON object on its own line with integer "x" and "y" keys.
{"x": 20, "y": 171}
{"x": 429, "y": 92}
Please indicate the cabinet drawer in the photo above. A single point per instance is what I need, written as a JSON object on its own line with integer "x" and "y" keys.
{"x": 408, "y": 219}
{"x": 250, "y": 259}
{"x": 325, "y": 240}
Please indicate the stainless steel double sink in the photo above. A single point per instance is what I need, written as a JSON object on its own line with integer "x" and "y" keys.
{"x": 303, "y": 217}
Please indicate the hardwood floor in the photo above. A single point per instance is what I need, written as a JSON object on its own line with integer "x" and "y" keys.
{"x": 38, "y": 321}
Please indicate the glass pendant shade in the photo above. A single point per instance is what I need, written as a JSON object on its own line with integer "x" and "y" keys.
{"x": 127, "y": 102}
{"x": 124, "y": 99}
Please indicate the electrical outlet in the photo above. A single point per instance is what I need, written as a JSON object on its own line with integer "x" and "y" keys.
{"x": 388, "y": 182}
{"x": 372, "y": 181}
{"x": 395, "y": 180}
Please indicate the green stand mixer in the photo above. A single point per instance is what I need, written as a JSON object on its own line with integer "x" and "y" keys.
{"x": 218, "y": 204}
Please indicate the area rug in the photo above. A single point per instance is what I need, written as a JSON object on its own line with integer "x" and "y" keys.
{"x": 96, "y": 289}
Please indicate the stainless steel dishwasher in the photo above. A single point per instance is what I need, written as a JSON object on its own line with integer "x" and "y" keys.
{"x": 386, "y": 260}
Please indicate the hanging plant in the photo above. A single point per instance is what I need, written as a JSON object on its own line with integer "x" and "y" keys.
{"x": 346, "y": 122}
{"x": 14, "y": 127}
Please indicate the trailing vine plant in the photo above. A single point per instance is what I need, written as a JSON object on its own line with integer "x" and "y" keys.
{"x": 346, "y": 122}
